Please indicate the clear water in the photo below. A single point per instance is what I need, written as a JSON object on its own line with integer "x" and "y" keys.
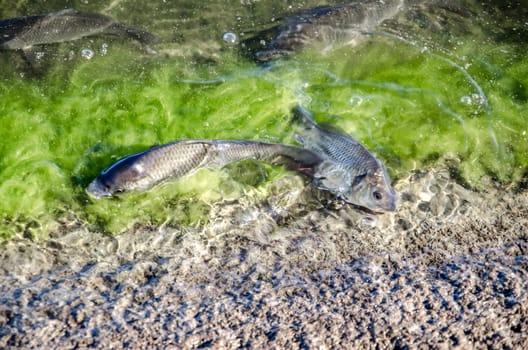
{"x": 432, "y": 87}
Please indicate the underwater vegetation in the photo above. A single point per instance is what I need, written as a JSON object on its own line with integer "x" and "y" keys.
{"x": 461, "y": 103}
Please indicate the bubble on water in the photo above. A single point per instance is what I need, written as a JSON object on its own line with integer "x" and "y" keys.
{"x": 466, "y": 100}
{"x": 478, "y": 99}
{"x": 229, "y": 37}
{"x": 473, "y": 100}
{"x": 356, "y": 100}
{"x": 368, "y": 222}
{"x": 39, "y": 55}
{"x": 87, "y": 53}
{"x": 104, "y": 49}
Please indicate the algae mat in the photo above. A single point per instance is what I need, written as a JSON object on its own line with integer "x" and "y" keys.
{"x": 253, "y": 256}
{"x": 432, "y": 86}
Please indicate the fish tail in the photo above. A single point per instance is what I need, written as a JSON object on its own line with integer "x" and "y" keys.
{"x": 301, "y": 155}
{"x": 296, "y": 159}
{"x": 291, "y": 157}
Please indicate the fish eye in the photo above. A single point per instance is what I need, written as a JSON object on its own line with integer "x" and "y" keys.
{"x": 377, "y": 195}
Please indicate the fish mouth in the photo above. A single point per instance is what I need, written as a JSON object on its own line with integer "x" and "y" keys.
{"x": 392, "y": 206}
{"x": 391, "y": 203}
{"x": 97, "y": 190}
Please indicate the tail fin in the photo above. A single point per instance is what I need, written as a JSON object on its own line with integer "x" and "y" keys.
{"x": 297, "y": 159}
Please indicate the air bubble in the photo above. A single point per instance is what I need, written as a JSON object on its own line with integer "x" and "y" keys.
{"x": 39, "y": 55}
{"x": 355, "y": 100}
{"x": 104, "y": 49}
{"x": 229, "y": 37}
{"x": 466, "y": 100}
{"x": 368, "y": 222}
{"x": 478, "y": 99}
{"x": 87, "y": 53}
{"x": 474, "y": 99}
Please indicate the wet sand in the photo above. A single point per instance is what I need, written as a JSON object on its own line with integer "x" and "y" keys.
{"x": 448, "y": 270}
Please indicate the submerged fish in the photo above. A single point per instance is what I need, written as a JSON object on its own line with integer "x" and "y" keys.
{"x": 348, "y": 169}
{"x": 336, "y": 24}
{"x": 144, "y": 170}
{"x": 22, "y": 33}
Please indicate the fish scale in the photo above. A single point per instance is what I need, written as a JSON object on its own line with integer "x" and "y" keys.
{"x": 21, "y": 33}
{"x": 332, "y": 25}
{"x": 144, "y": 170}
{"x": 348, "y": 169}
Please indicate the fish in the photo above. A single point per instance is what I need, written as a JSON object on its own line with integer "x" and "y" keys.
{"x": 348, "y": 169}
{"x": 23, "y": 33}
{"x": 144, "y": 170}
{"x": 342, "y": 24}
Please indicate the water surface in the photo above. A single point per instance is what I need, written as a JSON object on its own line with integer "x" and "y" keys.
{"x": 434, "y": 86}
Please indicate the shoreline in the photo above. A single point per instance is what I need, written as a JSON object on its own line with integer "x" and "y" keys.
{"x": 448, "y": 269}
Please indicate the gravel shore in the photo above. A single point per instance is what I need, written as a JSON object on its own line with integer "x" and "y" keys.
{"x": 448, "y": 270}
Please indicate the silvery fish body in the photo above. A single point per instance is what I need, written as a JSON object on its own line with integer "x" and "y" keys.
{"x": 348, "y": 169}
{"x": 337, "y": 24}
{"x": 144, "y": 170}
{"x": 66, "y": 25}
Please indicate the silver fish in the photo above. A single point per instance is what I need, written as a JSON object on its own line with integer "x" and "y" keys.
{"x": 22, "y": 33}
{"x": 348, "y": 169}
{"x": 337, "y": 24}
{"x": 144, "y": 170}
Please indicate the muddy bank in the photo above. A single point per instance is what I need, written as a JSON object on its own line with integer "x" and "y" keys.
{"x": 449, "y": 270}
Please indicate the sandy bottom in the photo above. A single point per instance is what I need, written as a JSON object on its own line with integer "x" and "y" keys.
{"x": 448, "y": 270}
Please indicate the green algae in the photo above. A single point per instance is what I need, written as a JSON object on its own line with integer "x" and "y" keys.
{"x": 414, "y": 107}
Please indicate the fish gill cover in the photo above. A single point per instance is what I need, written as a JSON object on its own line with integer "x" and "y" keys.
{"x": 417, "y": 93}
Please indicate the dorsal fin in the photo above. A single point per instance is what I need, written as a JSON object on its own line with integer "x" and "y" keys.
{"x": 333, "y": 128}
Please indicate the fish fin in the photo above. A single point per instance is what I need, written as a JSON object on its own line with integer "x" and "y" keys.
{"x": 301, "y": 166}
{"x": 299, "y": 139}
{"x": 333, "y": 128}
{"x": 65, "y": 12}
{"x": 331, "y": 178}
{"x": 358, "y": 179}
{"x": 303, "y": 117}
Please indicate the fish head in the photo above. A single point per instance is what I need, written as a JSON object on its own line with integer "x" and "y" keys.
{"x": 122, "y": 176}
{"x": 98, "y": 189}
{"x": 372, "y": 191}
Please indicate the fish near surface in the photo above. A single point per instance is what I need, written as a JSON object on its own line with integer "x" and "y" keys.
{"x": 348, "y": 170}
{"x": 342, "y": 24}
{"x": 22, "y": 33}
{"x": 144, "y": 170}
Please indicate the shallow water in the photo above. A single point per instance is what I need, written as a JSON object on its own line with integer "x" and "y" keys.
{"x": 432, "y": 86}
{"x": 438, "y": 93}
